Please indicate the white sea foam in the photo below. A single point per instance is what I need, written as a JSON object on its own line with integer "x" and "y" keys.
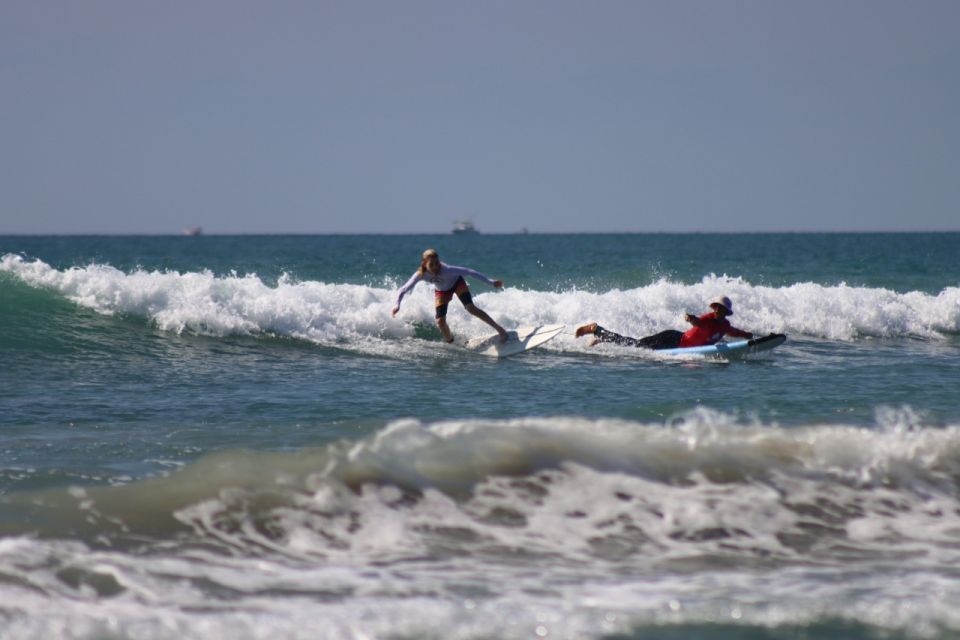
{"x": 689, "y": 484}
{"x": 564, "y": 527}
{"x": 350, "y": 315}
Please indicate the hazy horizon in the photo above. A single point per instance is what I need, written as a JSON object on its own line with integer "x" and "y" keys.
{"x": 125, "y": 118}
{"x": 493, "y": 233}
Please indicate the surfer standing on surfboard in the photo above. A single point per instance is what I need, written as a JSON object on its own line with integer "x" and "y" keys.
{"x": 707, "y": 329}
{"x": 448, "y": 280}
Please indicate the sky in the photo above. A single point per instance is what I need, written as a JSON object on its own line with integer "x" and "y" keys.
{"x": 385, "y": 116}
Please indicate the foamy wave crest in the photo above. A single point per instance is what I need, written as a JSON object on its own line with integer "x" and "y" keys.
{"x": 701, "y": 482}
{"x": 515, "y": 516}
{"x": 329, "y": 313}
{"x": 834, "y": 312}
{"x": 203, "y": 303}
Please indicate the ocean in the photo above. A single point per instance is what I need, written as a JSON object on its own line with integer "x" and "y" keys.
{"x": 231, "y": 437}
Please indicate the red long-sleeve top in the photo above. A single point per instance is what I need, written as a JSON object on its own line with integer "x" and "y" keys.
{"x": 708, "y": 329}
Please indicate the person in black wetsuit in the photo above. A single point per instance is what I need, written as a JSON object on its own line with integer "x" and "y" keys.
{"x": 707, "y": 329}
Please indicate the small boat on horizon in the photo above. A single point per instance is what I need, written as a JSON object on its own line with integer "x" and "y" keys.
{"x": 464, "y": 227}
{"x": 193, "y": 231}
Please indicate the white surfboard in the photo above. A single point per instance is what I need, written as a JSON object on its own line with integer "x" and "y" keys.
{"x": 520, "y": 340}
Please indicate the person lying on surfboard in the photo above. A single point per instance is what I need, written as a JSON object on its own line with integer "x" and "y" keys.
{"x": 707, "y": 329}
{"x": 448, "y": 280}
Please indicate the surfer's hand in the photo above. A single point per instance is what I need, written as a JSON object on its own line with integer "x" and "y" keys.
{"x": 394, "y": 312}
{"x": 498, "y": 284}
{"x": 692, "y": 319}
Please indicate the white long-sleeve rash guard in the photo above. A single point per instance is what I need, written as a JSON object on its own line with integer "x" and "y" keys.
{"x": 443, "y": 281}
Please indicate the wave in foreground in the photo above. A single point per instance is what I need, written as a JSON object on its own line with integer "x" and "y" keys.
{"x": 872, "y": 485}
{"x": 500, "y": 528}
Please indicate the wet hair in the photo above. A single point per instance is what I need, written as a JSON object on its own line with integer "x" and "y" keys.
{"x": 424, "y": 258}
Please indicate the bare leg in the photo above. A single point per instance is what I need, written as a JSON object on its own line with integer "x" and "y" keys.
{"x": 588, "y": 329}
{"x": 445, "y": 330}
{"x": 480, "y": 313}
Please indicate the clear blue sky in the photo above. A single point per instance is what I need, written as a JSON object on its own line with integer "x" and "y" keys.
{"x": 128, "y": 116}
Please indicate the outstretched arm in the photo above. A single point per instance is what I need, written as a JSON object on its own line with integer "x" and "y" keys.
{"x": 739, "y": 333}
{"x": 404, "y": 290}
{"x": 464, "y": 271}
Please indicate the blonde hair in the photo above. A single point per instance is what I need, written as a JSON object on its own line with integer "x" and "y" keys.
{"x": 424, "y": 258}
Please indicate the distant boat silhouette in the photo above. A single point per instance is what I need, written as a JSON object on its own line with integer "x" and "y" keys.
{"x": 192, "y": 231}
{"x": 464, "y": 227}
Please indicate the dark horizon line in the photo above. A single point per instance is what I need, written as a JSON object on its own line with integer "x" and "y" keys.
{"x": 452, "y": 235}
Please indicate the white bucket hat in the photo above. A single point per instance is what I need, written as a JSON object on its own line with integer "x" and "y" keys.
{"x": 724, "y": 302}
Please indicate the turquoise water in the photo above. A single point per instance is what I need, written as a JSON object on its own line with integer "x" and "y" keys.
{"x": 230, "y": 436}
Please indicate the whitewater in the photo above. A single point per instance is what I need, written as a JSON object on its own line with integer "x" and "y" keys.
{"x": 232, "y": 437}
{"x": 330, "y": 313}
